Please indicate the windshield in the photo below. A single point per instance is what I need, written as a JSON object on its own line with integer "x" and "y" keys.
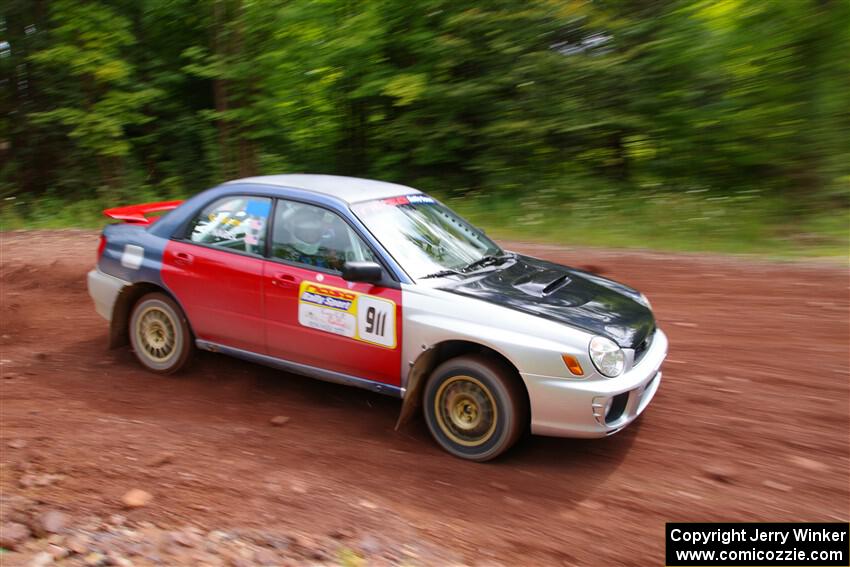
{"x": 424, "y": 236}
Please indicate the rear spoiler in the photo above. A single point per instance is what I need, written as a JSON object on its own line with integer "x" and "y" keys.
{"x": 135, "y": 214}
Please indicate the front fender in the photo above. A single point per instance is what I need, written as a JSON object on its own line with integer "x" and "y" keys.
{"x": 527, "y": 343}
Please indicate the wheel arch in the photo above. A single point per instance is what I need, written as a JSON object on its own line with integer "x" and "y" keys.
{"x": 123, "y": 308}
{"x": 435, "y": 355}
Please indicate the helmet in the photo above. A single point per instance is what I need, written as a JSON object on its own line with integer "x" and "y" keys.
{"x": 307, "y": 229}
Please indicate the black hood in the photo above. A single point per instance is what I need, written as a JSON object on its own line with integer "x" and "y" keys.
{"x": 563, "y": 294}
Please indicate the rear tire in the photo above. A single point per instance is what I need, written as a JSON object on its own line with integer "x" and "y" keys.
{"x": 475, "y": 407}
{"x": 160, "y": 334}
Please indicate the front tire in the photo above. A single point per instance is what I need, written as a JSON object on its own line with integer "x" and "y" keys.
{"x": 475, "y": 407}
{"x": 160, "y": 334}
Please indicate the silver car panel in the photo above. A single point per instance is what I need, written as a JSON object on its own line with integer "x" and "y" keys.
{"x": 561, "y": 403}
{"x": 432, "y": 316}
{"x": 104, "y": 290}
{"x": 566, "y": 409}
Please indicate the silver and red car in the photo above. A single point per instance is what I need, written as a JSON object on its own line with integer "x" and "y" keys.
{"x": 380, "y": 286}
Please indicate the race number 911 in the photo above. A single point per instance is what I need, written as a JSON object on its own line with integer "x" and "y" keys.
{"x": 376, "y": 320}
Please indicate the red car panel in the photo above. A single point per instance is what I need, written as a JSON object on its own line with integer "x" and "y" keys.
{"x": 221, "y": 293}
{"x": 313, "y": 318}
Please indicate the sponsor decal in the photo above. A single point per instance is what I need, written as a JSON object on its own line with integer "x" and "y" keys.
{"x": 227, "y": 224}
{"x": 359, "y": 316}
{"x": 408, "y": 200}
{"x": 258, "y": 208}
{"x": 396, "y": 201}
{"x": 420, "y": 199}
{"x": 255, "y": 230}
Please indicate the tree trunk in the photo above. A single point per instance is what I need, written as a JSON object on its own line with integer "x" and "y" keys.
{"x": 220, "y": 92}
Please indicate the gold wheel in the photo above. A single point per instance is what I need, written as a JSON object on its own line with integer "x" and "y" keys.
{"x": 466, "y": 411}
{"x": 156, "y": 334}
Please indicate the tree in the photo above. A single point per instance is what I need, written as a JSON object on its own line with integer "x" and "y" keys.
{"x": 554, "y": 96}
{"x": 94, "y": 84}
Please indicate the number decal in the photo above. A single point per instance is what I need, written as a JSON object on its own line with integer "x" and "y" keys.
{"x": 370, "y": 319}
{"x": 376, "y": 320}
{"x": 375, "y": 323}
{"x": 344, "y": 312}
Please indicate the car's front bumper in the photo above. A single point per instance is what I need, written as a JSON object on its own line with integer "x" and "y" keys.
{"x": 575, "y": 408}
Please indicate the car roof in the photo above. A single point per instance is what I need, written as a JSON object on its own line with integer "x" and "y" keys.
{"x": 348, "y": 189}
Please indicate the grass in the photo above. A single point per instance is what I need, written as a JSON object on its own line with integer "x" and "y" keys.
{"x": 51, "y": 213}
{"x": 745, "y": 223}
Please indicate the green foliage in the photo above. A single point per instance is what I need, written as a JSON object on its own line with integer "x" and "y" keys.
{"x": 674, "y": 105}
{"x": 94, "y": 81}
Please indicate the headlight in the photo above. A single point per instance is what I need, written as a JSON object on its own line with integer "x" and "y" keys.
{"x": 607, "y": 357}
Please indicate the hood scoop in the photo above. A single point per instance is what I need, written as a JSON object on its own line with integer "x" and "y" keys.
{"x": 557, "y": 284}
{"x": 542, "y": 283}
{"x": 562, "y": 294}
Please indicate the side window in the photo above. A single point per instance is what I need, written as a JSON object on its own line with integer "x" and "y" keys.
{"x": 310, "y": 235}
{"x": 233, "y": 223}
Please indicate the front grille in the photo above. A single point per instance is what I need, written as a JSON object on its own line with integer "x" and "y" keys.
{"x": 644, "y": 345}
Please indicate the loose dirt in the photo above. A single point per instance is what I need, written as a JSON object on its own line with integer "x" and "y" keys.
{"x": 750, "y": 424}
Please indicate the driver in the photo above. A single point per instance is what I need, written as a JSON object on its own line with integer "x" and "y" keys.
{"x": 310, "y": 238}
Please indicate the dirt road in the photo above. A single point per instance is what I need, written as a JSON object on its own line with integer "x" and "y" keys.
{"x": 750, "y": 423}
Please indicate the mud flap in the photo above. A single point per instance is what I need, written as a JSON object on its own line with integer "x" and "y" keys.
{"x": 118, "y": 332}
{"x": 415, "y": 382}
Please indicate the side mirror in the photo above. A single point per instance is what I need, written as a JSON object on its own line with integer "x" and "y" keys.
{"x": 368, "y": 272}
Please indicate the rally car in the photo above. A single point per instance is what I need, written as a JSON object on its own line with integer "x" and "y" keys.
{"x": 380, "y": 286}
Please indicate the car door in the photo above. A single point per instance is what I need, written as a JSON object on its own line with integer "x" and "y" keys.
{"x": 215, "y": 269}
{"x": 313, "y": 316}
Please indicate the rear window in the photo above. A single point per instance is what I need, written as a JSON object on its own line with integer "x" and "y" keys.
{"x": 233, "y": 223}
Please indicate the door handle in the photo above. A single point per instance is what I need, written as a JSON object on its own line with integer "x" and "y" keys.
{"x": 284, "y": 280}
{"x": 182, "y": 259}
